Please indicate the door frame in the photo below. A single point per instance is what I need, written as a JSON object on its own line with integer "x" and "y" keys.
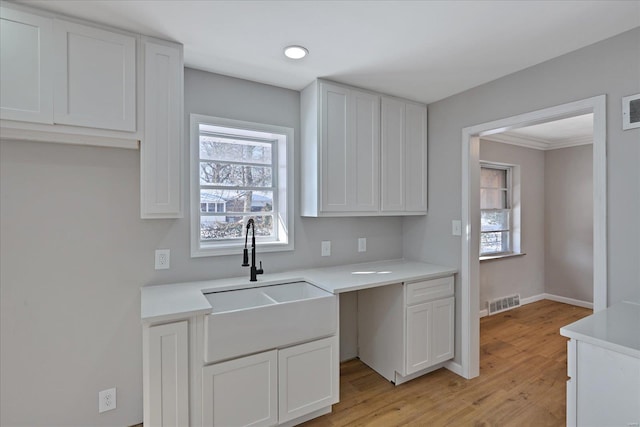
{"x": 470, "y": 267}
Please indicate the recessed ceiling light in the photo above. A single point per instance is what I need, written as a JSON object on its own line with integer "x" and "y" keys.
{"x": 295, "y": 52}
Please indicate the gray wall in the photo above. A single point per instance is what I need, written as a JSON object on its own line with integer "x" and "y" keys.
{"x": 610, "y": 67}
{"x": 74, "y": 251}
{"x": 568, "y": 188}
{"x": 523, "y": 274}
{"x": 74, "y": 254}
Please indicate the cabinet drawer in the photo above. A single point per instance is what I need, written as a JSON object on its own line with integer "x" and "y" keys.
{"x": 428, "y": 290}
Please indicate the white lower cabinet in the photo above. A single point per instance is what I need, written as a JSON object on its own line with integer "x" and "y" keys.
{"x": 308, "y": 378}
{"x": 406, "y": 329}
{"x": 604, "y": 386}
{"x": 429, "y": 334}
{"x": 166, "y": 375}
{"x": 272, "y": 387}
{"x": 241, "y": 392}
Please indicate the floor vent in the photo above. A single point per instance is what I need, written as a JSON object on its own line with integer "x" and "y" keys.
{"x": 503, "y": 304}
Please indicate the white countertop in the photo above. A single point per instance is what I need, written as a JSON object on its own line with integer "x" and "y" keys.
{"x": 182, "y": 300}
{"x": 616, "y": 328}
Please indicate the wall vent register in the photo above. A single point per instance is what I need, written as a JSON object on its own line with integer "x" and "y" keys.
{"x": 503, "y": 304}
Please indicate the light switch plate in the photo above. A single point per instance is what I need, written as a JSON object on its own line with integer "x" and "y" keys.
{"x": 362, "y": 244}
{"x": 456, "y": 227}
{"x": 326, "y": 248}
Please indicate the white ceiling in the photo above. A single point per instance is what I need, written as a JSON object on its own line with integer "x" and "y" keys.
{"x": 422, "y": 50}
{"x": 562, "y": 133}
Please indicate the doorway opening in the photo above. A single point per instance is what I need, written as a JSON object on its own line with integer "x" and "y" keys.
{"x": 470, "y": 271}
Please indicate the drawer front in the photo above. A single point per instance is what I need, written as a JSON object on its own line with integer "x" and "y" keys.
{"x": 428, "y": 290}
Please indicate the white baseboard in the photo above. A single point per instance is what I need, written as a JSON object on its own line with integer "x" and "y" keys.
{"x": 540, "y": 297}
{"x": 566, "y": 300}
{"x": 454, "y": 367}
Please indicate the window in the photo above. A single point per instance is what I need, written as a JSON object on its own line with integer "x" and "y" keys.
{"x": 240, "y": 170}
{"x": 496, "y": 213}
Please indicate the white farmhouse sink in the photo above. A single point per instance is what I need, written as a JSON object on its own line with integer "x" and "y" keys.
{"x": 247, "y": 321}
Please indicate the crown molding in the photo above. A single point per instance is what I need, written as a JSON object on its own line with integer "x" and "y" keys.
{"x": 539, "y": 143}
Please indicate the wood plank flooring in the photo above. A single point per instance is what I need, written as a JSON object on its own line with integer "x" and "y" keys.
{"x": 522, "y": 380}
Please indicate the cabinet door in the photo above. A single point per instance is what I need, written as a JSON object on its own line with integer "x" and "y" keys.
{"x": 162, "y": 146}
{"x": 443, "y": 331}
{"x": 308, "y": 378}
{"x": 166, "y": 375}
{"x": 419, "y": 353}
{"x": 364, "y": 156}
{"x": 26, "y": 67}
{"x": 241, "y": 392}
{"x": 415, "y": 162}
{"x": 335, "y": 149}
{"x": 350, "y": 141}
{"x": 393, "y": 155}
{"x": 95, "y": 77}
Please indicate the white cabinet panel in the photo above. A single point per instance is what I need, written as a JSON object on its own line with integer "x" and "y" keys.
{"x": 95, "y": 77}
{"x": 349, "y": 149}
{"x": 162, "y": 146}
{"x": 607, "y": 387}
{"x": 404, "y": 156}
{"x": 415, "y": 150}
{"x": 166, "y": 375}
{"x": 419, "y": 340}
{"x": 364, "y": 165}
{"x": 335, "y": 148}
{"x": 308, "y": 378}
{"x": 241, "y": 392}
{"x": 442, "y": 331}
{"x": 392, "y": 160}
{"x": 26, "y": 66}
{"x": 430, "y": 333}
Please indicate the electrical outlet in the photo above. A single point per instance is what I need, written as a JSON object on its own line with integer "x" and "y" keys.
{"x": 362, "y": 244}
{"x": 326, "y": 248}
{"x": 106, "y": 400}
{"x": 163, "y": 259}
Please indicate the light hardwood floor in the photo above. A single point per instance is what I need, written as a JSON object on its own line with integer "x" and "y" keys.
{"x": 522, "y": 380}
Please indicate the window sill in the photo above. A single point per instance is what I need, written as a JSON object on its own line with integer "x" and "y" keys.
{"x": 501, "y": 256}
{"x": 236, "y": 249}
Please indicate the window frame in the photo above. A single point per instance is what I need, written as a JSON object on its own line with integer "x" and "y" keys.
{"x": 282, "y": 185}
{"x": 509, "y": 198}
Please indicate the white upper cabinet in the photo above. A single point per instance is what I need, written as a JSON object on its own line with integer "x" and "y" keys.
{"x": 340, "y": 150}
{"x": 161, "y": 146}
{"x": 415, "y": 151}
{"x": 358, "y": 160}
{"x": 95, "y": 77}
{"x": 71, "y": 82}
{"x": 26, "y": 66}
{"x": 404, "y": 156}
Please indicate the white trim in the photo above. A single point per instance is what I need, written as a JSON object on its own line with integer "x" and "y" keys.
{"x": 538, "y": 143}
{"x": 469, "y": 269}
{"x": 551, "y": 297}
{"x": 18, "y": 134}
{"x": 566, "y": 300}
{"x": 454, "y": 367}
{"x": 285, "y": 218}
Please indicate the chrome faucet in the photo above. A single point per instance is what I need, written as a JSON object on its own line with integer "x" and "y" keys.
{"x": 245, "y": 256}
